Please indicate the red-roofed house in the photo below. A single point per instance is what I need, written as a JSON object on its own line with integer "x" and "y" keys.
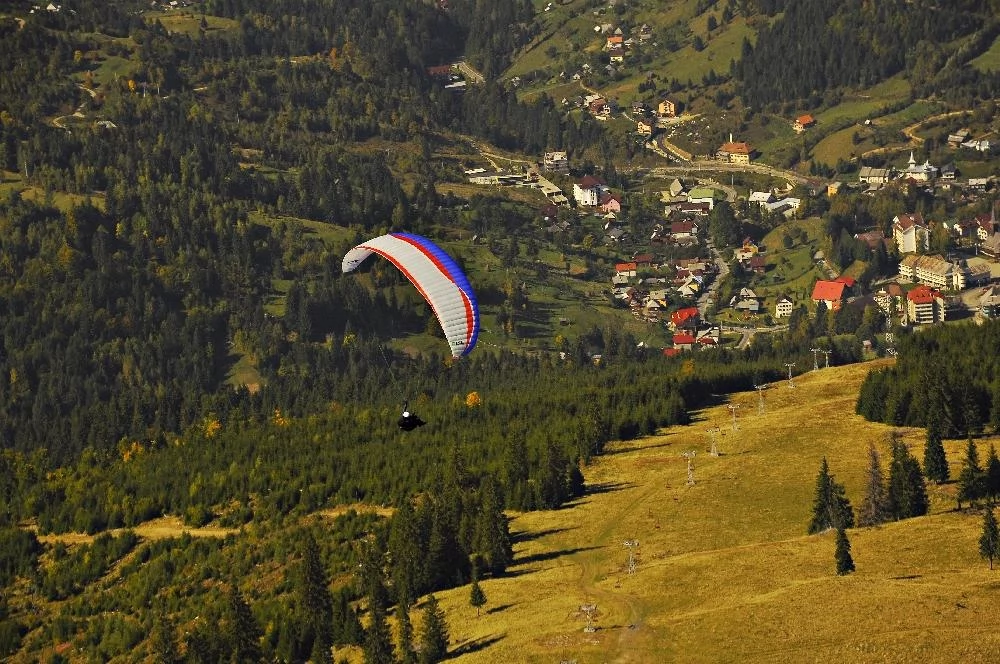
{"x": 734, "y": 153}
{"x": 829, "y": 292}
{"x": 611, "y": 202}
{"x": 644, "y": 260}
{"x": 803, "y": 122}
{"x": 671, "y": 352}
{"x": 684, "y": 318}
{"x": 924, "y": 305}
{"x": 847, "y": 281}
{"x": 683, "y": 341}
{"x": 626, "y": 269}
{"x": 588, "y": 190}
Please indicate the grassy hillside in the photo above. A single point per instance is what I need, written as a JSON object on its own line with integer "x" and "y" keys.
{"x": 725, "y": 571}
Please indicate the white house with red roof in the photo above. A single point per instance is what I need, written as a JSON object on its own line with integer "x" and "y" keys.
{"x": 684, "y": 341}
{"x": 924, "y": 306}
{"x": 588, "y": 191}
{"x": 629, "y": 269}
{"x": 830, "y": 293}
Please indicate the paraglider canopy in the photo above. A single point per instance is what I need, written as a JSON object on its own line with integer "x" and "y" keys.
{"x": 438, "y": 278}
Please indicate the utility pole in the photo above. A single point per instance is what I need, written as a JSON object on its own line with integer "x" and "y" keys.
{"x": 733, "y": 407}
{"x": 711, "y": 432}
{"x": 690, "y": 459}
{"x": 815, "y": 352}
{"x": 827, "y": 353}
{"x": 760, "y": 402}
{"x": 790, "y": 365}
{"x": 631, "y": 545}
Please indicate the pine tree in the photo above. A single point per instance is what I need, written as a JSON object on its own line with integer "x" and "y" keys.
{"x": 244, "y": 632}
{"x": 477, "y": 597}
{"x": 434, "y": 636}
{"x": 874, "y": 508}
{"x": 404, "y": 551}
{"x": 405, "y": 636}
{"x": 907, "y": 489}
{"x": 831, "y": 508}
{"x": 989, "y": 541}
{"x": 492, "y": 536}
{"x": 993, "y": 475}
{"x": 970, "y": 480}
{"x": 845, "y": 563}
{"x": 378, "y": 643}
{"x": 316, "y": 603}
{"x": 935, "y": 463}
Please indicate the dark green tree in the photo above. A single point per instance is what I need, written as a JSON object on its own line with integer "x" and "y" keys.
{"x": 244, "y": 632}
{"x": 316, "y": 616}
{"x": 434, "y": 635}
{"x": 907, "y": 495}
{"x": 477, "y": 597}
{"x": 831, "y": 507}
{"x": 492, "y": 536}
{"x": 935, "y": 462}
{"x": 404, "y": 636}
{"x": 989, "y": 540}
{"x": 970, "y": 480}
{"x": 404, "y": 551}
{"x": 845, "y": 563}
{"x": 992, "y": 475}
{"x": 875, "y": 506}
{"x": 378, "y": 640}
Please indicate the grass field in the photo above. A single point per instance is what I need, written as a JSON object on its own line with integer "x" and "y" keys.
{"x": 725, "y": 572}
{"x": 990, "y": 60}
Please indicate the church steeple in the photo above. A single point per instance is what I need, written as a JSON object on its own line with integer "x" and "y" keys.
{"x": 913, "y": 162}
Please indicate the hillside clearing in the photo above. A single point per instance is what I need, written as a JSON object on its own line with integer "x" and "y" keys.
{"x": 725, "y": 571}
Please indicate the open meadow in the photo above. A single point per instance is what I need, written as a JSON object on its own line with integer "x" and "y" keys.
{"x": 724, "y": 569}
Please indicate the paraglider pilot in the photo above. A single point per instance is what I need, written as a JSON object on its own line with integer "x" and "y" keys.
{"x": 409, "y": 421}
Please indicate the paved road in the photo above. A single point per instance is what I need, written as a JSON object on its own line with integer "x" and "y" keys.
{"x": 469, "y": 72}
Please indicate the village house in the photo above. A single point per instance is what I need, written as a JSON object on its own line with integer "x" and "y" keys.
{"x": 702, "y": 196}
{"x": 959, "y": 137}
{"x": 610, "y": 202}
{"x": 910, "y": 233}
{"x": 684, "y": 341}
{"x": 803, "y": 122}
{"x": 889, "y": 299}
{"x": 874, "y": 177}
{"x": 644, "y": 127}
{"x": 989, "y": 303}
{"x": 873, "y": 239}
{"x": 556, "y": 162}
{"x": 831, "y": 293}
{"x": 734, "y": 153}
{"x": 687, "y": 318}
{"x": 924, "y": 306}
{"x": 666, "y": 109}
{"x": 627, "y": 269}
{"x": 761, "y": 198}
{"x": 783, "y": 307}
{"x": 588, "y": 191}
